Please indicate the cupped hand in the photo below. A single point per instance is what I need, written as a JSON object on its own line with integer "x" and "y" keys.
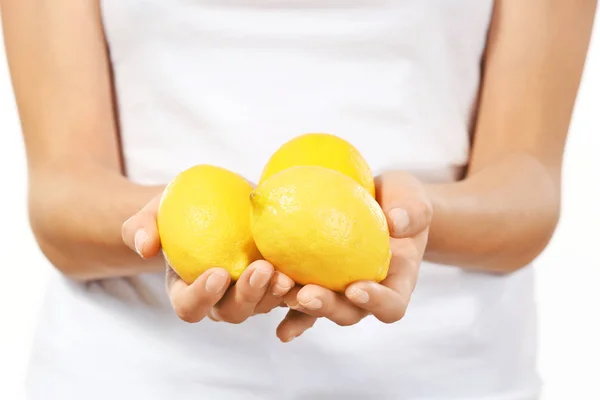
{"x": 408, "y": 210}
{"x": 258, "y": 290}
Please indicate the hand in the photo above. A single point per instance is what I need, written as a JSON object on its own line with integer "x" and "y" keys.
{"x": 408, "y": 211}
{"x": 258, "y": 290}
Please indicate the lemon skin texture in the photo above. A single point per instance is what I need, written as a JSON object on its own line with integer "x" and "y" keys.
{"x": 318, "y": 226}
{"x": 204, "y": 222}
{"x": 324, "y": 150}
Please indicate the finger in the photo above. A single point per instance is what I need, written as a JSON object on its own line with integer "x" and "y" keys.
{"x": 405, "y": 203}
{"x": 320, "y": 302}
{"x": 279, "y": 286}
{"x": 389, "y": 300}
{"x": 408, "y": 217}
{"x": 213, "y": 315}
{"x": 268, "y": 303}
{"x": 140, "y": 233}
{"x": 192, "y": 302}
{"x": 293, "y": 325}
{"x": 240, "y": 301}
{"x": 291, "y": 299}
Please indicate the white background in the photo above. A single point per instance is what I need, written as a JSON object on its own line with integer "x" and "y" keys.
{"x": 568, "y": 289}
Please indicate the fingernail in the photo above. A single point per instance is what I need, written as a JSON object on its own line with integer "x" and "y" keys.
{"x": 295, "y": 306}
{"x": 215, "y": 282}
{"x": 213, "y": 314}
{"x": 260, "y": 277}
{"x": 400, "y": 220}
{"x": 314, "y": 304}
{"x": 359, "y": 296}
{"x": 280, "y": 290}
{"x": 139, "y": 239}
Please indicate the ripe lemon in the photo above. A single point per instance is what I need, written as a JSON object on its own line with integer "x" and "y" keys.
{"x": 319, "y": 226}
{"x": 324, "y": 150}
{"x": 204, "y": 222}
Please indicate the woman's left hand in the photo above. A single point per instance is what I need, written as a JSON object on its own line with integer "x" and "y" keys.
{"x": 408, "y": 210}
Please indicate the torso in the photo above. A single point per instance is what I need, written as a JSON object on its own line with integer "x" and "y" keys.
{"x": 226, "y": 82}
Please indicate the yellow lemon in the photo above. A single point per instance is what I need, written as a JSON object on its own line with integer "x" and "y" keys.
{"x": 323, "y": 150}
{"x": 319, "y": 226}
{"x": 204, "y": 222}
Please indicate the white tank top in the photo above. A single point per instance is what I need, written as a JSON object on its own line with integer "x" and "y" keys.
{"x": 226, "y": 82}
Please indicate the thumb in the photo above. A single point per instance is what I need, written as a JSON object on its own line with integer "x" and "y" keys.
{"x": 140, "y": 232}
{"x": 405, "y": 203}
{"x": 408, "y": 219}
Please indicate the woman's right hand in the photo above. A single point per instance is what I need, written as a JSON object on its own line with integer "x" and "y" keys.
{"x": 258, "y": 290}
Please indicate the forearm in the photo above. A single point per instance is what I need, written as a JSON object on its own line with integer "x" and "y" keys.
{"x": 76, "y": 217}
{"x": 497, "y": 220}
{"x": 502, "y": 215}
{"x": 78, "y": 198}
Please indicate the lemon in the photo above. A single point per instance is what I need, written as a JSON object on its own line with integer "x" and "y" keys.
{"x": 319, "y": 226}
{"x": 204, "y": 222}
{"x": 324, "y": 150}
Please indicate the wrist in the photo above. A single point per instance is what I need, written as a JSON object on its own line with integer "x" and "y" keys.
{"x": 78, "y": 228}
{"x": 445, "y": 201}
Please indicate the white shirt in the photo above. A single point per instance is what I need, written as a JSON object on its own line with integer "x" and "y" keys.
{"x": 226, "y": 82}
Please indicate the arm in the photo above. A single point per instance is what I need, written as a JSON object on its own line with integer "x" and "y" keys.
{"x": 504, "y": 212}
{"x": 78, "y": 196}
{"x": 502, "y": 215}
